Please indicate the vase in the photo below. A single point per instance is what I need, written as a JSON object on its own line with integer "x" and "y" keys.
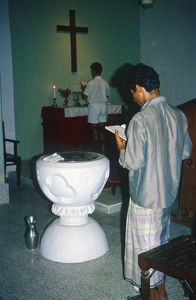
{"x": 31, "y": 234}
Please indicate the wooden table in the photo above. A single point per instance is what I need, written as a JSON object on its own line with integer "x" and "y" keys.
{"x": 176, "y": 258}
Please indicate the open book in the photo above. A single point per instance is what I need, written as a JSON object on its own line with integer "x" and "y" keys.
{"x": 119, "y": 128}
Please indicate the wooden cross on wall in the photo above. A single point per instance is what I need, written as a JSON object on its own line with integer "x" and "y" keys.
{"x": 73, "y": 29}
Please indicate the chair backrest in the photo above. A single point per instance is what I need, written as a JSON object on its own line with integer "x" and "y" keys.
{"x": 4, "y": 145}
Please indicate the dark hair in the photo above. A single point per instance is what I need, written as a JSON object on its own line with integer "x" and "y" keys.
{"x": 97, "y": 67}
{"x": 144, "y": 76}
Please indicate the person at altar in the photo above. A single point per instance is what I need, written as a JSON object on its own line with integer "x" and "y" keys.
{"x": 96, "y": 92}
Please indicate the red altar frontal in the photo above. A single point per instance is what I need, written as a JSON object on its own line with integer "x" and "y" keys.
{"x": 66, "y": 127}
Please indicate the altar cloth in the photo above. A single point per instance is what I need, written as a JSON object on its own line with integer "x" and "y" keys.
{"x": 71, "y": 112}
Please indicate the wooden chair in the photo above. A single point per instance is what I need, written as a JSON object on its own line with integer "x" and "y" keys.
{"x": 9, "y": 158}
{"x": 176, "y": 258}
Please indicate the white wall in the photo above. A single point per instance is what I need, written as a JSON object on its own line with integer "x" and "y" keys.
{"x": 6, "y": 75}
{"x": 168, "y": 44}
{"x": 6, "y": 71}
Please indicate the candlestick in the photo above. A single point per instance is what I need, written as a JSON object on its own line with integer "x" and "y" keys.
{"x": 54, "y": 91}
{"x": 54, "y": 102}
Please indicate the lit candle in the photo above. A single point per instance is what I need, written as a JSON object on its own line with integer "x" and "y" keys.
{"x": 54, "y": 91}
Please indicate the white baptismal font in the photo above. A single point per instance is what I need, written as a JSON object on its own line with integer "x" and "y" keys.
{"x": 73, "y": 181}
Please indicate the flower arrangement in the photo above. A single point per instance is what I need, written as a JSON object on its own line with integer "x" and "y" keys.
{"x": 65, "y": 93}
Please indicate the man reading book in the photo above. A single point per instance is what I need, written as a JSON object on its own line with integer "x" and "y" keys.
{"x": 157, "y": 142}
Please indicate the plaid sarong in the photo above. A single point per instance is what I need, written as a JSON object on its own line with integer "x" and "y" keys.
{"x": 146, "y": 229}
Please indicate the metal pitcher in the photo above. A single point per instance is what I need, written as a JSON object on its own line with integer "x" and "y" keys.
{"x": 31, "y": 234}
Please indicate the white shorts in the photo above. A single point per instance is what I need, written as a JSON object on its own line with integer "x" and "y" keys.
{"x": 97, "y": 113}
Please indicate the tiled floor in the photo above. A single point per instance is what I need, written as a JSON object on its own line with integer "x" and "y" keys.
{"x": 26, "y": 275}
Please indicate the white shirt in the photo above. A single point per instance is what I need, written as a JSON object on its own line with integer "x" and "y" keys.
{"x": 97, "y": 90}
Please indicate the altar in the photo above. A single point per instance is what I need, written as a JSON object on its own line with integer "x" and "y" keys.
{"x": 64, "y": 127}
